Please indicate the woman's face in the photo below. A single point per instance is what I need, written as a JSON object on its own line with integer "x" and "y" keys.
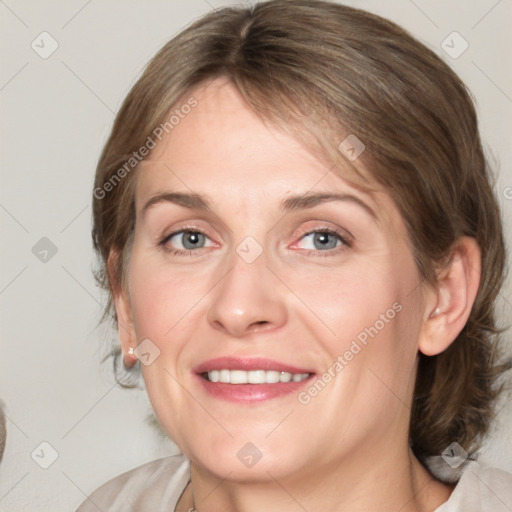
{"x": 252, "y": 261}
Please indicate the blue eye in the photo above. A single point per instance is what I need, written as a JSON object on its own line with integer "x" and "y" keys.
{"x": 182, "y": 241}
{"x": 187, "y": 242}
{"x": 322, "y": 240}
{"x": 190, "y": 239}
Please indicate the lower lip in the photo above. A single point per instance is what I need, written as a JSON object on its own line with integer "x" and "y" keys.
{"x": 250, "y": 393}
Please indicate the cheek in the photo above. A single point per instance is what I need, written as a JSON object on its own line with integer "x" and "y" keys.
{"x": 348, "y": 300}
{"x": 366, "y": 313}
{"x": 161, "y": 300}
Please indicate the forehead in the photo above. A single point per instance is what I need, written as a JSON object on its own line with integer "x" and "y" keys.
{"x": 223, "y": 131}
{"x": 222, "y": 149}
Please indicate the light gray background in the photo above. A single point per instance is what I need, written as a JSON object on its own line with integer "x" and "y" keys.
{"x": 56, "y": 115}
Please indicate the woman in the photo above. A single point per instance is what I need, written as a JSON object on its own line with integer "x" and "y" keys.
{"x": 303, "y": 251}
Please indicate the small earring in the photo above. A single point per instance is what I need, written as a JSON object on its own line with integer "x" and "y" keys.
{"x": 436, "y": 312}
{"x": 131, "y": 351}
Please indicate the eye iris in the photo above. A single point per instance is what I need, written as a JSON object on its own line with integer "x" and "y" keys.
{"x": 324, "y": 241}
{"x": 192, "y": 240}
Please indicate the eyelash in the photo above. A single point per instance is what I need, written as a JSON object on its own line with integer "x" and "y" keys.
{"x": 180, "y": 252}
{"x": 194, "y": 252}
{"x": 346, "y": 242}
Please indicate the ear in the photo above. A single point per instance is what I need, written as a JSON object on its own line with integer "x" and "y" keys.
{"x": 125, "y": 325}
{"x": 451, "y": 299}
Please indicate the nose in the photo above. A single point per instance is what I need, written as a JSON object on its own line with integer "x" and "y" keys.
{"x": 248, "y": 299}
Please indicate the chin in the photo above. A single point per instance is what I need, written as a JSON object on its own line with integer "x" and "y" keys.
{"x": 245, "y": 461}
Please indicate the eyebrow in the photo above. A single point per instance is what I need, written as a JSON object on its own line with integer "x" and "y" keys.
{"x": 309, "y": 200}
{"x": 192, "y": 201}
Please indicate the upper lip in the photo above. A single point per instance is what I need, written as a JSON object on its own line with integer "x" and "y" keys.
{"x": 247, "y": 364}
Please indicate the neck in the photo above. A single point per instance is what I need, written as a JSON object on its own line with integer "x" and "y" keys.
{"x": 399, "y": 483}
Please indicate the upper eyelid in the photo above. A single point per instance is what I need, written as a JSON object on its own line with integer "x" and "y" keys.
{"x": 210, "y": 217}
{"x": 151, "y": 217}
{"x": 338, "y": 230}
{"x": 303, "y": 233}
{"x": 166, "y": 237}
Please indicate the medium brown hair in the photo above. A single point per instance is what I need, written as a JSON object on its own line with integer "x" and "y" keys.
{"x": 321, "y": 71}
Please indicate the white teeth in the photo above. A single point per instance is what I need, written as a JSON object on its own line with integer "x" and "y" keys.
{"x": 272, "y": 376}
{"x": 238, "y": 377}
{"x": 254, "y": 376}
{"x": 286, "y": 377}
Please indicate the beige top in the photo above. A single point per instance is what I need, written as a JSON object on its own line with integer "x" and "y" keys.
{"x": 158, "y": 485}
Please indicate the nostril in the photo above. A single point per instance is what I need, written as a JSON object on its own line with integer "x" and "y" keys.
{"x": 259, "y": 323}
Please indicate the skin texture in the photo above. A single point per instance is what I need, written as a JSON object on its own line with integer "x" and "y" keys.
{"x": 347, "y": 449}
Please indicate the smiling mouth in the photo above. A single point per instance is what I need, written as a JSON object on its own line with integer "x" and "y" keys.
{"x": 253, "y": 376}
